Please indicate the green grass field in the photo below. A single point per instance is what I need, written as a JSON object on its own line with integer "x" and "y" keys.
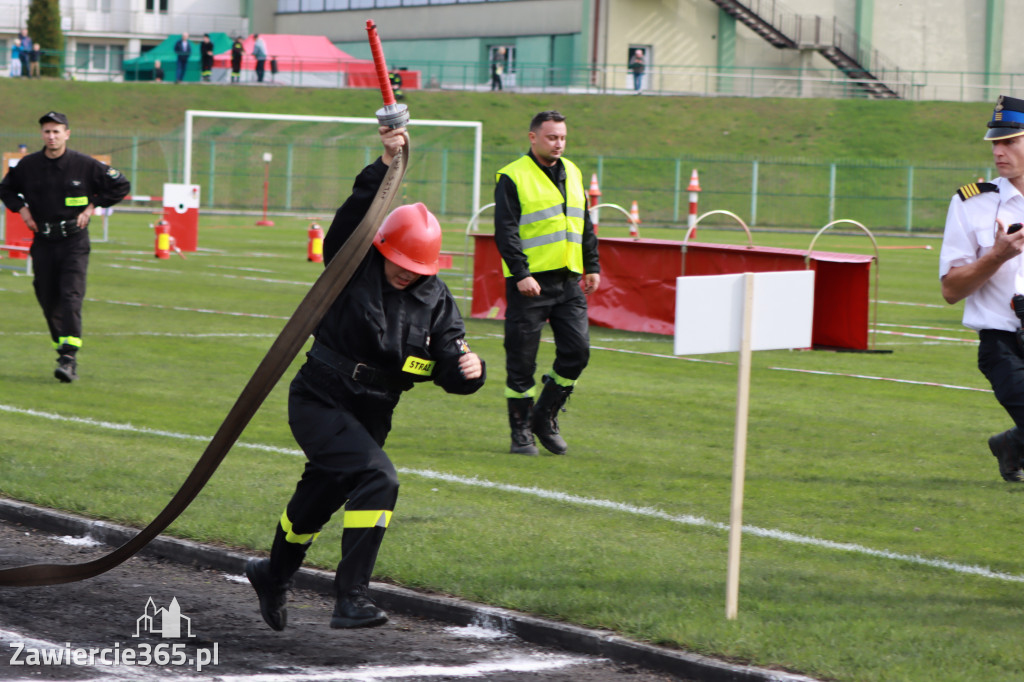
{"x": 878, "y": 543}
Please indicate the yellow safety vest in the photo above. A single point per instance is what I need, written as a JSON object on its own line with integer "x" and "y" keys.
{"x": 551, "y": 238}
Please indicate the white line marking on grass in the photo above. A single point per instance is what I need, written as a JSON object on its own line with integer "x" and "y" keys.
{"x": 649, "y": 512}
{"x": 785, "y": 369}
{"x": 917, "y": 305}
{"x": 188, "y": 310}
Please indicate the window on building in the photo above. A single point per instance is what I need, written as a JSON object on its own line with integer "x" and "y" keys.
{"x": 311, "y": 6}
{"x": 156, "y": 6}
{"x": 91, "y": 57}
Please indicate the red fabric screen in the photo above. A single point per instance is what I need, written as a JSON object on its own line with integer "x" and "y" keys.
{"x": 638, "y": 284}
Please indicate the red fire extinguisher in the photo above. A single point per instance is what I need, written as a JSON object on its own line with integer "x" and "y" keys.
{"x": 162, "y": 248}
{"x": 315, "y": 249}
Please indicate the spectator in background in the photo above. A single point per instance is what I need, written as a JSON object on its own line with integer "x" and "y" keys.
{"x": 183, "y": 49}
{"x": 25, "y": 44}
{"x": 497, "y": 68}
{"x": 206, "y": 58}
{"x": 158, "y": 71}
{"x": 16, "y": 59}
{"x": 636, "y": 65}
{"x": 236, "y": 59}
{"x": 33, "y": 59}
{"x": 273, "y": 67}
{"x": 259, "y": 51}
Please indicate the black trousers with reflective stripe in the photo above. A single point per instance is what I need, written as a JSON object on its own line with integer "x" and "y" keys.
{"x": 60, "y": 268}
{"x": 1001, "y": 360}
{"x": 564, "y": 306}
{"x": 346, "y": 466}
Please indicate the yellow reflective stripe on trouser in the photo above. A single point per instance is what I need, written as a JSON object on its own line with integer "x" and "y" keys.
{"x": 528, "y": 393}
{"x": 561, "y": 381}
{"x": 295, "y": 538}
{"x": 367, "y": 518}
{"x": 72, "y": 341}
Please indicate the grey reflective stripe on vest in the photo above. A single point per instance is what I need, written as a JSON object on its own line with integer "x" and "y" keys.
{"x": 546, "y": 213}
{"x": 551, "y": 238}
{"x": 538, "y": 216}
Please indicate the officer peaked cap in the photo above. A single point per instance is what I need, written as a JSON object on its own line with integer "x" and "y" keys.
{"x": 1007, "y": 119}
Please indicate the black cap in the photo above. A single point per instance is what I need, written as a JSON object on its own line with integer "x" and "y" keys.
{"x": 53, "y": 117}
{"x": 1007, "y": 119}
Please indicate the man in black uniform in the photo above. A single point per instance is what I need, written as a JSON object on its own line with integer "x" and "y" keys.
{"x": 394, "y": 324}
{"x": 206, "y": 58}
{"x": 547, "y": 244}
{"x": 56, "y": 190}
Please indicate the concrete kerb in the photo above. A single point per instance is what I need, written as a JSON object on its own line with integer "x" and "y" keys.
{"x": 401, "y": 600}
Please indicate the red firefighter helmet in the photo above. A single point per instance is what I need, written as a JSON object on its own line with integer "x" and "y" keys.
{"x": 410, "y": 237}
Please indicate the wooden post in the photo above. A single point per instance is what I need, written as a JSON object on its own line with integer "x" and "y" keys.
{"x": 739, "y": 457}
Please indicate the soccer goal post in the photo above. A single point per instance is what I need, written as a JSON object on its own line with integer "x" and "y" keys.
{"x": 476, "y": 127}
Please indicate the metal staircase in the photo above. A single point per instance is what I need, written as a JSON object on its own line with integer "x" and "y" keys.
{"x": 787, "y": 30}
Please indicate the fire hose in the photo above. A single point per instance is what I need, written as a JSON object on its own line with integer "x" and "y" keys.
{"x": 289, "y": 342}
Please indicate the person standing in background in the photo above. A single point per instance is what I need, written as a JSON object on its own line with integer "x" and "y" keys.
{"x": 237, "y": 50}
{"x": 183, "y": 49}
{"x": 637, "y": 64}
{"x": 206, "y": 58}
{"x": 25, "y": 44}
{"x": 259, "y": 52}
{"x": 16, "y": 59}
{"x": 33, "y": 59}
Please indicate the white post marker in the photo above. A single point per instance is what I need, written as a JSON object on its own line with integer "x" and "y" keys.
{"x": 747, "y": 312}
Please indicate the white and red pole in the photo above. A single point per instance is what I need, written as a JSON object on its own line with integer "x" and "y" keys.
{"x": 595, "y": 196}
{"x": 693, "y": 189}
{"x": 267, "y": 156}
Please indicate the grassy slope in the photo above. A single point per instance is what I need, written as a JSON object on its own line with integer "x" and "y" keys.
{"x": 611, "y": 125}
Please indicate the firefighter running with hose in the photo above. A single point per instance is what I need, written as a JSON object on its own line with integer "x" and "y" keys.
{"x": 547, "y": 245}
{"x": 395, "y": 324}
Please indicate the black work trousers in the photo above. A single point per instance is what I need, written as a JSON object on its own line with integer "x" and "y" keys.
{"x": 564, "y": 306}
{"x": 60, "y": 268}
{"x": 1001, "y": 360}
{"x": 346, "y": 466}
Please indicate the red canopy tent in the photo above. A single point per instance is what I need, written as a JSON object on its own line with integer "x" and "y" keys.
{"x": 305, "y": 60}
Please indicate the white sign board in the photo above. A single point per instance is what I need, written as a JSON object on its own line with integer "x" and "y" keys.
{"x": 709, "y": 312}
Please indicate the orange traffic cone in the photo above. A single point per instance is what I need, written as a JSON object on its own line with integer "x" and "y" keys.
{"x": 694, "y": 182}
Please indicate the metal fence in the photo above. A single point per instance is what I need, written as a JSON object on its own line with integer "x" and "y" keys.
{"x": 313, "y": 175}
{"x": 741, "y": 81}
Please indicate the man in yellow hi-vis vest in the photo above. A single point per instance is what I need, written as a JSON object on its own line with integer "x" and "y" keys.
{"x": 542, "y": 229}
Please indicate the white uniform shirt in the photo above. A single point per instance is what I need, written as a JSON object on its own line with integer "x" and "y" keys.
{"x": 969, "y": 235}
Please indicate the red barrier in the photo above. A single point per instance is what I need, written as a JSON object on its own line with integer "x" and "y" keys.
{"x": 638, "y": 284}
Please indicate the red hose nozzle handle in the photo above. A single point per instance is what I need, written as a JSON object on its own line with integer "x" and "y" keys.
{"x": 393, "y": 115}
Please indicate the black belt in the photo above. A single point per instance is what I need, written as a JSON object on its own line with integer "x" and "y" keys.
{"x": 358, "y": 371}
{"x": 60, "y": 229}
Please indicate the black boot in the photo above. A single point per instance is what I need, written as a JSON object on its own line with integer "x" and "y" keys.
{"x": 272, "y": 578}
{"x": 355, "y": 609}
{"x": 66, "y": 370}
{"x": 520, "y": 411}
{"x": 1007, "y": 449}
{"x": 545, "y": 416}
